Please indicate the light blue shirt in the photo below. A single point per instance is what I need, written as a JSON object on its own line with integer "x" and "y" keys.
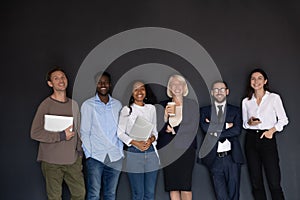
{"x": 99, "y": 124}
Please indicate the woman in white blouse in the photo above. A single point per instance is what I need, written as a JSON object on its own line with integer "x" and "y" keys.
{"x": 141, "y": 161}
{"x": 263, "y": 116}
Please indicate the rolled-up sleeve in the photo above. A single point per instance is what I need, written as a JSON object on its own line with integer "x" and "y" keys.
{"x": 154, "y": 122}
{"x": 282, "y": 119}
{"x": 245, "y": 114}
{"x": 123, "y": 121}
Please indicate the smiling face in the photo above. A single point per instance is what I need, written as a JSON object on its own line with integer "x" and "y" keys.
{"x": 139, "y": 93}
{"x": 176, "y": 88}
{"x": 257, "y": 81}
{"x": 58, "y": 81}
{"x": 103, "y": 86}
{"x": 219, "y": 92}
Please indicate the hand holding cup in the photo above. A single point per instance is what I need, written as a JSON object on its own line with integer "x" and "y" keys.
{"x": 171, "y": 109}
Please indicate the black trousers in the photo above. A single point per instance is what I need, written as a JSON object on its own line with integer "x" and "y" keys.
{"x": 226, "y": 174}
{"x": 263, "y": 153}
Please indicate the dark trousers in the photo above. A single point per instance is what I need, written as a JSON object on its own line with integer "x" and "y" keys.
{"x": 225, "y": 175}
{"x": 262, "y": 153}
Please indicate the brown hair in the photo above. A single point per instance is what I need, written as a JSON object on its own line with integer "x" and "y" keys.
{"x": 54, "y": 69}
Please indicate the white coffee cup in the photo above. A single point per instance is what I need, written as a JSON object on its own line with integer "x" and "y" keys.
{"x": 172, "y": 105}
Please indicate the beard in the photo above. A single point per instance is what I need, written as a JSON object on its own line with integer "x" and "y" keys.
{"x": 220, "y": 100}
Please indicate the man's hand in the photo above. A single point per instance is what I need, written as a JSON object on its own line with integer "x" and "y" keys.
{"x": 69, "y": 133}
{"x": 229, "y": 125}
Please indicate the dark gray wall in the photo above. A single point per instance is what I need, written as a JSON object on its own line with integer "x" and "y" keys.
{"x": 238, "y": 35}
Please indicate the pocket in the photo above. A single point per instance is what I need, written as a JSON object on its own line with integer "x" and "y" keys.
{"x": 78, "y": 163}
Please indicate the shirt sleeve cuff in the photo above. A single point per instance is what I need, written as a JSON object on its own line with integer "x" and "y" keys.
{"x": 278, "y": 128}
{"x": 246, "y": 125}
{"x": 226, "y": 126}
{"x": 128, "y": 142}
{"x": 62, "y": 135}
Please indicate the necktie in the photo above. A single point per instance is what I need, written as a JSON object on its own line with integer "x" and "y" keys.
{"x": 220, "y": 113}
{"x": 212, "y": 137}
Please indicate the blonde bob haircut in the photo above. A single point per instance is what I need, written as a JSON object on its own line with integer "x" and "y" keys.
{"x": 182, "y": 80}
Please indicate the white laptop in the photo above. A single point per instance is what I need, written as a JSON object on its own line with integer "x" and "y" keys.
{"x": 141, "y": 129}
{"x": 57, "y": 123}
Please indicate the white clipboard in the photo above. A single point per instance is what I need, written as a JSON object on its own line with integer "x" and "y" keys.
{"x": 56, "y": 123}
{"x": 141, "y": 129}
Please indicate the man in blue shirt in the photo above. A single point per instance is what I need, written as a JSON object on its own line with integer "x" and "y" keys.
{"x": 102, "y": 148}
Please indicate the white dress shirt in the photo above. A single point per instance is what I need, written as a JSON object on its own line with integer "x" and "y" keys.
{"x": 226, "y": 145}
{"x": 270, "y": 112}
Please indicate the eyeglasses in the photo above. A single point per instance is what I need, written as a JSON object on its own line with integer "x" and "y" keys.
{"x": 216, "y": 90}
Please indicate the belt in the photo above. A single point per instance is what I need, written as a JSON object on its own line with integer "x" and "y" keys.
{"x": 223, "y": 154}
{"x": 256, "y": 130}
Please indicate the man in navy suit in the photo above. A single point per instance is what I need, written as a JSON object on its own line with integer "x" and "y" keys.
{"x": 222, "y": 124}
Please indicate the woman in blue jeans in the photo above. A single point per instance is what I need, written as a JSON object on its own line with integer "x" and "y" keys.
{"x": 141, "y": 161}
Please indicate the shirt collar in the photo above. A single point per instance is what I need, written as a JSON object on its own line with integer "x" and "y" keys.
{"x": 97, "y": 99}
{"x": 220, "y": 104}
{"x": 267, "y": 93}
{"x": 138, "y": 106}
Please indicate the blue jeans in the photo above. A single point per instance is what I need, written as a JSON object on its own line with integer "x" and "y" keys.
{"x": 108, "y": 172}
{"x": 142, "y": 172}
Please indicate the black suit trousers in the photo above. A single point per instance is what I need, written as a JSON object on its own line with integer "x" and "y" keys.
{"x": 225, "y": 175}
